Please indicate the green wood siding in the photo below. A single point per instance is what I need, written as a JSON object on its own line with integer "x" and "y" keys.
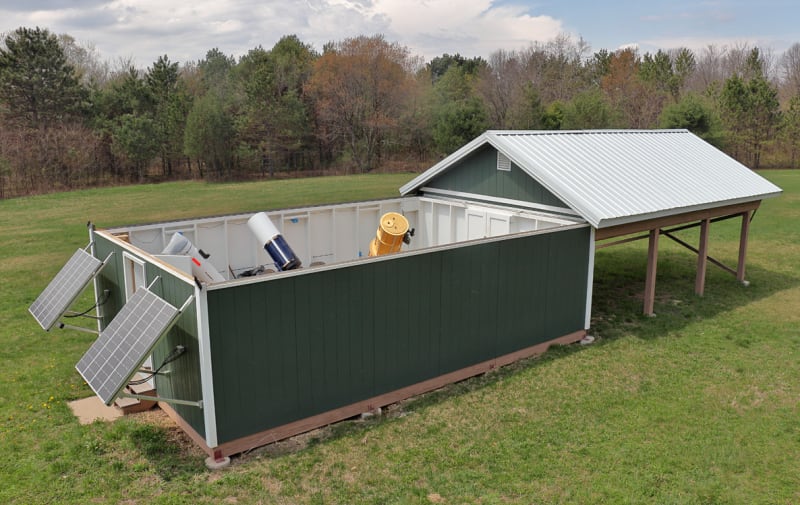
{"x": 297, "y": 346}
{"x": 478, "y": 174}
{"x": 183, "y": 382}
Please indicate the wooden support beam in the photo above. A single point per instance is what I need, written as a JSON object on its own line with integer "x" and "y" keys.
{"x": 702, "y": 258}
{"x": 677, "y": 219}
{"x": 650, "y": 281}
{"x": 696, "y": 251}
{"x": 743, "y": 237}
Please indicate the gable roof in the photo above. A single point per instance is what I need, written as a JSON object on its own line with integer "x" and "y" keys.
{"x": 613, "y": 177}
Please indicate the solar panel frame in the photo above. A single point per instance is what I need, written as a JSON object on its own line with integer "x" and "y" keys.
{"x": 125, "y": 343}
{"x": 64, "y": 289}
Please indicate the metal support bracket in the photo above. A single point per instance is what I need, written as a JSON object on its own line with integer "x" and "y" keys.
{"x": 78, "y": 328}
{"x": 198, "y": 404}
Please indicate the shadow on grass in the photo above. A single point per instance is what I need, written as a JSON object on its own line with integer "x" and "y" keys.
{"x": 167, "y": 455}
{"x": 617, "y": 299}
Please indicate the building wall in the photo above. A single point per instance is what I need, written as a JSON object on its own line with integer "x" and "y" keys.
{"x": 478, "y": 174}
{"x": 294, "y": 346}
{"x": 183, "y": 382}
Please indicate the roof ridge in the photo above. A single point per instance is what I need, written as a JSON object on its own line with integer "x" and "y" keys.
{"x": 586, "y": 132}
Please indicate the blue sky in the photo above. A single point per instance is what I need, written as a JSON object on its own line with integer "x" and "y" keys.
{"x": 141, "y": 30}
{"x": 660, "y": 24}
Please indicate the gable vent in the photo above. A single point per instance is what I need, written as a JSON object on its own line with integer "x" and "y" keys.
{"x": 503, "y": 163}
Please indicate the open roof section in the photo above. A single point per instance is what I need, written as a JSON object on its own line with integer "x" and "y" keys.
{"x": 617, "y": 177}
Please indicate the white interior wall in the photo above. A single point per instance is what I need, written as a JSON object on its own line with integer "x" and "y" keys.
{"x": 337, "y": 233}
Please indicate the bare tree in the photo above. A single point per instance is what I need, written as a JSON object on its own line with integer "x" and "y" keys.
{"x": 498, "y": 84}
{"x": 790, "y": 69}
{"x": 85, "y": 58}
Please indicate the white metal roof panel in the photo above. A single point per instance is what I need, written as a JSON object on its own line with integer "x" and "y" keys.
{"x": 614, "y": 177}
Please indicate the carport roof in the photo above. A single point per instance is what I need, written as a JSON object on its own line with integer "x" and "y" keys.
{"x": 614, "y": 177}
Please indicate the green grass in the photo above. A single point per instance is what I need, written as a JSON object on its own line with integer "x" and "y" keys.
{"x": 700, "y": 404}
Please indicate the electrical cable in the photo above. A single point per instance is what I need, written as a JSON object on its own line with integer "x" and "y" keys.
{"x": 100, "y": 303}
{"x": 175, "y": 354}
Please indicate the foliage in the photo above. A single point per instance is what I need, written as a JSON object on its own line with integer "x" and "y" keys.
{"x": 43, "y": 139}
{"x": 37, "y": 84}
{"x": 275, "y": 120}
{"x": 694, "y": 113}
{"x": 136, "y": 137}
{"x": 637, "y": 101}
{"x": 361, "y": 86}
{"x": 790, "y": 130}
{"x": 457, "y": 123}
{"x": 458, "y": 115}
{"x": 170, "y": 109}
{"x": 589, "y": 110}
{"x": 667, "y": 73}
{"x": 210, "y": 130}
{"x": 553, "y": 116}
{"x": 439, "y": 65}
{"x": 209, "y": 135}
{"x": 751, "y": 111}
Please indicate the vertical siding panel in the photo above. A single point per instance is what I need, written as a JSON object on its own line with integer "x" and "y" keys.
{"x": 524, "y": 266}
{"x": 451, "y": 325}
{"x": 304, "y": 349}
{"x": 383, "y": 345}
{"x": 345, "y": 361}
{"x": 362, "y": 308}
{"x": 566, "y": 277}
{"x": 328, "y": 334}
{"x": 285, "y": 332}
{"x": 422, "y": 318}
{"x": 399, "y": 290}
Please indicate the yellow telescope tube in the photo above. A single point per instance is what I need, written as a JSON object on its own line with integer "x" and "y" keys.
{"x": 389, "y": 238}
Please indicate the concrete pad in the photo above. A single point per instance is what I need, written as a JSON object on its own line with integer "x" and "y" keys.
{"x": 217, "y": 464}
{"x": 87, "y": 410}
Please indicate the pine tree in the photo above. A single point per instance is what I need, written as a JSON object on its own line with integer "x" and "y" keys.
{"x": 38, "y": 87}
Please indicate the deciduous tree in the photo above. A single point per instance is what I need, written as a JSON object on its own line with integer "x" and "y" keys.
{"x": 360, "y": 87}
{"x": 637, "y": 102}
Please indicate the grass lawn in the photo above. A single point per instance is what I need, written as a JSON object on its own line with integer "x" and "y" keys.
{"x": 700, "y": 404}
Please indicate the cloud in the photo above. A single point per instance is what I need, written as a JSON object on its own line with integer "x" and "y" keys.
{"x": 144, "y": 29}
{"x": 50, "y": 5}
{"x": 474, "y": 28}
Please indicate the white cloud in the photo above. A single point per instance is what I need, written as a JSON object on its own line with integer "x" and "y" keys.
{"x": 471, "y": 28}
{"x": 185, "y": 31}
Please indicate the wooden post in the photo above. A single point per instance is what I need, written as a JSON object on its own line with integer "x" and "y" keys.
{"x": 743, "y": 246}
{"x": 702, "y": 258}
{"x": 650, "y": 281}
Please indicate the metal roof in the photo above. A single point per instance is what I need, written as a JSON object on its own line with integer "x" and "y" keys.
{"x": 613, "y": 177}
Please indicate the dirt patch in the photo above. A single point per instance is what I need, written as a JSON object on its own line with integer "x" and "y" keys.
{"x": 175, "y": 435}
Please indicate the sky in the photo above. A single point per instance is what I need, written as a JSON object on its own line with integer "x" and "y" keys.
{"x": 141, "y": 30}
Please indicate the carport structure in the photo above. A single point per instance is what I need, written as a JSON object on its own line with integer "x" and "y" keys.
{"x": 622, "y": 182}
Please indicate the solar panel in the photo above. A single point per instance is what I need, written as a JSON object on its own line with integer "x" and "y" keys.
{"x": 64, "y": 288}
{"x": 125, "y": 343}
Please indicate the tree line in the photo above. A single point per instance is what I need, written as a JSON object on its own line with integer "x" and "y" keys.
{"x": 70, "y": 120}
